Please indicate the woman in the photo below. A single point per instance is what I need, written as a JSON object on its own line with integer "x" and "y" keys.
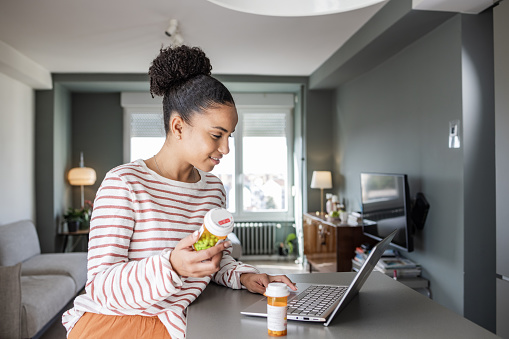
{"x": 142, "y": 270}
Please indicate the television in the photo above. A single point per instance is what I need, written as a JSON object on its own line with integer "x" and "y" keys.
{"x": 386, "y": 206}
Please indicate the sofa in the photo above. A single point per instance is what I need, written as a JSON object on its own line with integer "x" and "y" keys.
{"x": 35, "y": 288}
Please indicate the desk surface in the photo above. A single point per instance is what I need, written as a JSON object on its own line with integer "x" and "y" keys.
{"x": 384, "y": 308}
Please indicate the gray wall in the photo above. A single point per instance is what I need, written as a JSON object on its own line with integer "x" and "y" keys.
{"x": 395, "y": 119}
{"x": 319, "y": 146}
{"x": 97, "y": 131}
{"x": 501, "y": 32}
{"x": 502, "y": 136}
{"x": 52, "y": 152}
{"x": 479, "y": 168}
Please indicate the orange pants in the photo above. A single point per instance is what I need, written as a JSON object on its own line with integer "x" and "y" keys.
{"x": 99, "y": 326}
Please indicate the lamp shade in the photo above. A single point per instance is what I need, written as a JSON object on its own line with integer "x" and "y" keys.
{"x": 321, "y": 179}
{"x": 79, "y": 176}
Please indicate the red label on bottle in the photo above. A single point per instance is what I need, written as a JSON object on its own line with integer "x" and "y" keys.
{"x": 224, "y": 221}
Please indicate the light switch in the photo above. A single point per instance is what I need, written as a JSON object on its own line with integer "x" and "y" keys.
{"x": 454, "y": 134}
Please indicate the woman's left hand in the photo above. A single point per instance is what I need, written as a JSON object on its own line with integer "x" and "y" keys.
{"x": 257, "y": 283}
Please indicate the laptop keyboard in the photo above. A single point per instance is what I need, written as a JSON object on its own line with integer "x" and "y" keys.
{"x": 314, "y": 300}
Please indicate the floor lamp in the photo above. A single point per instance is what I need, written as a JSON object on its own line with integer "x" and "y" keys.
{"x": 321, "y": 180}
{"x": 82, "y": 176}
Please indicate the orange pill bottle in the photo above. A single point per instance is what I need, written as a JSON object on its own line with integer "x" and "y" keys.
{"x": 277, "y": 302}
{"x": 217, "y": 224}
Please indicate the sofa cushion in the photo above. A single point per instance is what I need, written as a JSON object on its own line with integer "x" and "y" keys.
{"x": 42, "y": 298}
{"x": 18, "y": 242}
{"x": 10, "y": 301}
{"x": 72, "y": 264}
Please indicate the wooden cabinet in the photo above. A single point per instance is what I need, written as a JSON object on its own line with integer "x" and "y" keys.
{"x": 329, "y": 246}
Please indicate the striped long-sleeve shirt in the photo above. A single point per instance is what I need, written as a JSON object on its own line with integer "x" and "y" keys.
{"x": 138, "y": 219}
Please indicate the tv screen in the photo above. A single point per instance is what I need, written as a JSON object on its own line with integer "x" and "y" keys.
{"x": 385, "y": 207}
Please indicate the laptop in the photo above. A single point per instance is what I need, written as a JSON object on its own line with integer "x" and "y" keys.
{"x": 321, "y": 302}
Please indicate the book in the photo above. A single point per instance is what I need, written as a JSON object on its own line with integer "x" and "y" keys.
{"x": 400, "y": 273}
{"x": 395, "y": 263}
{"x": 405, "y": 273}
{"x": 391, "y": 266}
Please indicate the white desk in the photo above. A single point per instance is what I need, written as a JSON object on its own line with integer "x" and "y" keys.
{"x": 384, "y": 308}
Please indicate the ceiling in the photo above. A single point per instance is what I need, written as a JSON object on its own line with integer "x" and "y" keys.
{"x": 123, "y": 36}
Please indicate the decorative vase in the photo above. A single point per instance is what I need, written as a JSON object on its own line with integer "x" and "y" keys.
{"x": 73, "y": 226}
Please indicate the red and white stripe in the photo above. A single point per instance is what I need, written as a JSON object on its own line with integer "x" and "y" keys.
{"x": 138, "y": 219}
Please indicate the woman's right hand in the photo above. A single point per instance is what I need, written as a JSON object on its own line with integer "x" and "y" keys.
{"x": 188, "y": 262}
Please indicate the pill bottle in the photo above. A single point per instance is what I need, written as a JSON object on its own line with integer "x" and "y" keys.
{"x": 277, "y": 301}
{"x": 217, "y": 224}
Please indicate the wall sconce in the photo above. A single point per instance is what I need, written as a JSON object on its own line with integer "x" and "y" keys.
{"x": 81, "y": 176}
{"x": 321, "y": 180}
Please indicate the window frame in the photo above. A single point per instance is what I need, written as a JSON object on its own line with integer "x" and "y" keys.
{"x": 247, "y": 216}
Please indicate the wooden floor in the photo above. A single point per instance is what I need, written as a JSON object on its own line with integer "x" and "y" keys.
{"x": 57, "y": 331}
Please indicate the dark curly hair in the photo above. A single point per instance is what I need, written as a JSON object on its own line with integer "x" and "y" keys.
{"x": 182, "y": 75}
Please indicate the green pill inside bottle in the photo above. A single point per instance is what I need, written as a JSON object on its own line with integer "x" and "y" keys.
{"x": 217, "y": 224}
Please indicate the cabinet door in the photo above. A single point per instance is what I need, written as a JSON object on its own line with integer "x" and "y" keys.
{"x": 318, "y": 237}
{"x": 310, "y": 235}
{"x": 348, "y": 239}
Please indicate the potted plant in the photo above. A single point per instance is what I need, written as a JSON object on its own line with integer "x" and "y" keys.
{"x": 287, "y": 247}
{"x": 74, "y": 217}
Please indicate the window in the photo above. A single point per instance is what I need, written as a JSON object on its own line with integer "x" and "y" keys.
{"x": 257, "y": 173}
{"x": 143, "y": 125}
{"x": 146, "y": 133}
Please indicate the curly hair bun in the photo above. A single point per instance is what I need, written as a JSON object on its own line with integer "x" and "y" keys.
{"x": 176, "y": 64}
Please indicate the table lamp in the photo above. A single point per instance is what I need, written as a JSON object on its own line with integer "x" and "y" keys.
{"x": 81, "y": 176}
{"x": 321, "y": 180}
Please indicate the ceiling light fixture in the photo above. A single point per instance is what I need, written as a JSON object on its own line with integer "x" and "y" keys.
{"x": 294, "y": 7}
{"x": 174, "y": 33}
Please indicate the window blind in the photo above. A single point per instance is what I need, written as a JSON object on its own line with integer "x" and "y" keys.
{"x": 264, "y": 124}
{"x": 147, "y": 125}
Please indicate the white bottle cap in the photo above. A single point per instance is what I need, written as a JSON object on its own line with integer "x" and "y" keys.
{"x": 219, "y": 222}
{"x": 277, "y": 290}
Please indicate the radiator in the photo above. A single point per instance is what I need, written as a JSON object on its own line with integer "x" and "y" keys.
{"x": 256, "y": 238}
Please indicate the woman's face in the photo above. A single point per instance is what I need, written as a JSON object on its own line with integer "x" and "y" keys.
{"x": 205, "y": 139}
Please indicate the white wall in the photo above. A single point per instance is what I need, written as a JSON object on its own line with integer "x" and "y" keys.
{"x": 17, "y": 187}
